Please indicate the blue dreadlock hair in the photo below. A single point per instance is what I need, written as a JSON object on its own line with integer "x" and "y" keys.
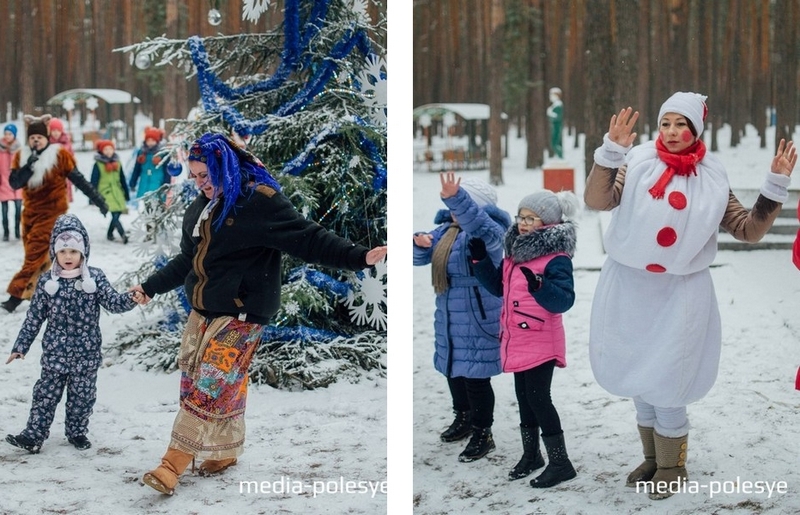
{"x": 231, "y": 169}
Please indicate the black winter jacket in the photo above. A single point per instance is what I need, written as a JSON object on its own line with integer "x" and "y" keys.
{"x": 236, "y": 270}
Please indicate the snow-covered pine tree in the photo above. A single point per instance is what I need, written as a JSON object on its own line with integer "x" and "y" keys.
{"x": 309, "y": 99}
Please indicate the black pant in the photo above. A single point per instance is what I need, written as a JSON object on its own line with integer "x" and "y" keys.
{"x": 533, "y": 395}
{"x": 475, "y": 396}
{"x": 17, "y": 214}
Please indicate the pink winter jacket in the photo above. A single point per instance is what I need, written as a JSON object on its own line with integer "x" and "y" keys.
{"x": 529, "y": 334}
{"x": 6, "y": 155}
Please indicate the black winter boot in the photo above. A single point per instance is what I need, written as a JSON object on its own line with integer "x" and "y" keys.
{"x": 23, "y": 442}
{"x": 80, "y": 442}
{"x": 559, "y": 467}
{"x": 531, "y": 454}
{"x": 459, "y": 429}
{"x": 11, "y": 304}
{"x": 479, "y": 445}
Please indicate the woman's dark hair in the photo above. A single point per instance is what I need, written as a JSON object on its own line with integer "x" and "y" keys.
{"x": 691, "y": 126}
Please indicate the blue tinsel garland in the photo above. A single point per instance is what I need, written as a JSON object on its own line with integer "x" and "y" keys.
{"x": 320, "y": 281}
{"x": 212, "y": 88}
{"x": 299, "y": 333}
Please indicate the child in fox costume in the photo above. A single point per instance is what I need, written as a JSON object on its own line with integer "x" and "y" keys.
{"x": 39, "y": 169}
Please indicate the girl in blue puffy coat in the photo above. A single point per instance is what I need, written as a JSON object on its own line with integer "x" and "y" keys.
{"x": 466, "y": 322}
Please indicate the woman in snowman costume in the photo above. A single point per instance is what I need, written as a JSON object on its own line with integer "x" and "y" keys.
{"x": 655, "y": 326}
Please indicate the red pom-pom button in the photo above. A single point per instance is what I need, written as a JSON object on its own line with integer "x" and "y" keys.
{"x": 666, "y": 236}
{"x": 677, "y": 200}
{"x": 656, "y": 269}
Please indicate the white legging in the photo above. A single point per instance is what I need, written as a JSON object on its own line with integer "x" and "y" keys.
{"x": 669, "y": 422}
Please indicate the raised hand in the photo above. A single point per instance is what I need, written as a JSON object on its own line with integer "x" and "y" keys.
{"x": 785, "y": 158}
{"x": 449, "y": 184}
{"x": 621, "y": 126}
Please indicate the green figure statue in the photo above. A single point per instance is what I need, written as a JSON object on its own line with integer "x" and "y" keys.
{"x": 555, "y": 115}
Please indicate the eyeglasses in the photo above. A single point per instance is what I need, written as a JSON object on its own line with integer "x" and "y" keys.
{"x": 527, "y": 220}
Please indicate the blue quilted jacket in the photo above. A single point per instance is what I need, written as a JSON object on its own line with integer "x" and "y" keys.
{"x": 467, "y": 318}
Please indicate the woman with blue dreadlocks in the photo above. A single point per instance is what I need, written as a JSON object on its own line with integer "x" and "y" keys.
{"x": 229, "y": 264}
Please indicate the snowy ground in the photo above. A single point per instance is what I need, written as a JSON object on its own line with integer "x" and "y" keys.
{"x": 309, "y": 452}
{"x": 745, "y": 429}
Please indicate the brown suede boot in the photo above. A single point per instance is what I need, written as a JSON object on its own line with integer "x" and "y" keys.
{"x": 671, "y": 461}
{"x": 646, "y": 470}
{"x": 211, "y": 467}
{"x": 165, "y": 476}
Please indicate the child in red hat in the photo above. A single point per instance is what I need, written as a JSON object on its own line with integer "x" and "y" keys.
{"x": 57, "y": 135}
{"x": 147, "y": 174}
{"x": 109, "y": 180}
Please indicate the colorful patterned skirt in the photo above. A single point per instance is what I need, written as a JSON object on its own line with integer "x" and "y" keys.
{"x": 214, "y": 359}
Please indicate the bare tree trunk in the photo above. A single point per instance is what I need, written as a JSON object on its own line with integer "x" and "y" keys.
{"x": 536, "y": 131}
{"x": 26, "y": 70}
{"x": 625, "y": 65}
{"x": 496, "y": 95}
{"x": 784, "y": 68}
{"x": 600, "y": 75}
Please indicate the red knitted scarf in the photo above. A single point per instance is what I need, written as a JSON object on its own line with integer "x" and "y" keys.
{"x": 680, "y": 164}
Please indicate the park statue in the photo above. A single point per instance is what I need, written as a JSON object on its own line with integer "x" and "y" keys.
{"x": 555, "y": 115}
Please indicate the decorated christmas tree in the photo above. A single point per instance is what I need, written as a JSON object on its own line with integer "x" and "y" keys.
{"x": 309, "y": 100}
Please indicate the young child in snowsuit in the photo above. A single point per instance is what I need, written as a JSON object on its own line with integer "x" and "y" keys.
{"x": 466, "y": 323}
{"x": 68, "y": 298}
{"x": 535, "y": 280}
{"x": 109, "y": 180}
{"x": 147, "y": 175}
{"x": 8, "y": 147}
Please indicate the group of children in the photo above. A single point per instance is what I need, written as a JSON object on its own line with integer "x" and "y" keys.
{"x": 668, "y": 198}
{"x": 501, "y": 289}
{"x": 107, "y": 177}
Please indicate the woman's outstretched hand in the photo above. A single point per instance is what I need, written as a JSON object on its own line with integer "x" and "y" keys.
{"x": 785, "y": 158}
{"x": 376, "y": 255}
{"x": 621, "y": 126}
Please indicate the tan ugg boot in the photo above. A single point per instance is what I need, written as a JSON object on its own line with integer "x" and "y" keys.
{"x": 211, "y": 467}
{"x": 671, "y": 461}
{"x": 646, "y": 470}
{"x": 165, "y": 476}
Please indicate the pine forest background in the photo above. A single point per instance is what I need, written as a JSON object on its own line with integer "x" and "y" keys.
{"x": 51, "y": 46}
{"x": 606, "y": 55}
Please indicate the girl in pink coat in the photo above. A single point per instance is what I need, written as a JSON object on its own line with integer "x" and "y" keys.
{"x": 57, "y": 135}
{"x": 8, "y": 146}
{"x": 535, "y": 281}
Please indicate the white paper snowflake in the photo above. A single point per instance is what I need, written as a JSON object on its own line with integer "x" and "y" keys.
{"x": 367, "y": 305}
{"x": 291, "y": 308}
{"x": 373, "y": 87}
{"x": 360, "y": 8}
{"x": 253, "y": 9}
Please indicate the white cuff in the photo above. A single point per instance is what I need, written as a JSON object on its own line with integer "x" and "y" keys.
{"x": 776, "y": 186}
{"x": 610, "y": 154}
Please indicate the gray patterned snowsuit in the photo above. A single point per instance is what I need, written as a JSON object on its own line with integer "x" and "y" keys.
{"x": 71, "y": 343}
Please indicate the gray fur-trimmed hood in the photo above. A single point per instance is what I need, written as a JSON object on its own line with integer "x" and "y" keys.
{"x": 546, "y": 240}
